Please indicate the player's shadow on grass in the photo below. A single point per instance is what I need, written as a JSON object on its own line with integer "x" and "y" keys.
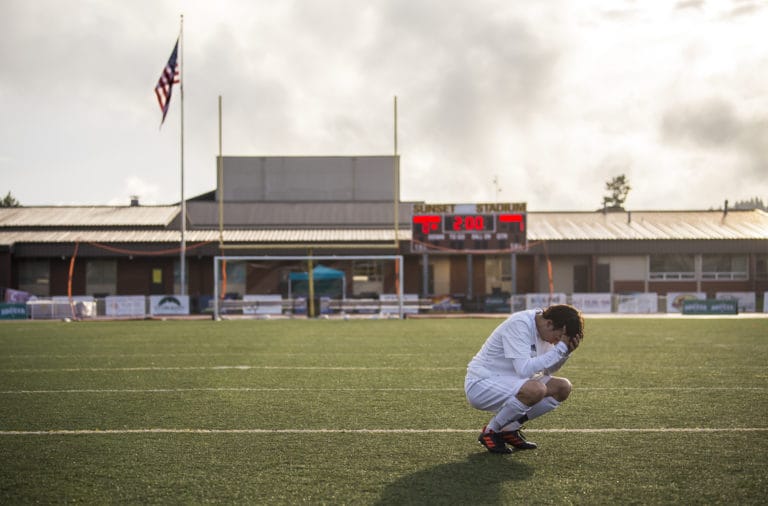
{"x": 476, "y": 480}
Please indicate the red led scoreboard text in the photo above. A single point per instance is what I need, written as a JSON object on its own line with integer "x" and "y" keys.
{"x": 450, "y": 227}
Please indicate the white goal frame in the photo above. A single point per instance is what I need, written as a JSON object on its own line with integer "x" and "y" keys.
{"x": 219, "y": 258}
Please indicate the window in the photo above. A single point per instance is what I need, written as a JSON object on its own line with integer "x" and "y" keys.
{"x": 761, "y": 264}
{"x": 506, "y": 269}
{"x": 674, "y": 266}
{"x": 101, "y": 277}
{"x": 177, "y": 277}
{"x": 34, "y": 277}
{"x": 367, "y": 271}
{"x": 367, "y": 278}
{"x": 724, "y": 267}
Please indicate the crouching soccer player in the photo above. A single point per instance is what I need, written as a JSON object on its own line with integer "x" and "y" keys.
{"x": 511, "y": 375}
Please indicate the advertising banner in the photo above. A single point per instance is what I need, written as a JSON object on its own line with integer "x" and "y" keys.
{"x": 263, "y": 304}
{"x": 167, "y": 305}
{"x": 12, "y": 295}
{"x": 542, "y": 300}
{"x": 13, "y": 311}
{"x": 638, "y": 303}
{"x": 675, "y": 300}
{"x": 126, "y": 305}
{"x": 710, "y": 306}
{"x": 746, "y": 300}
{"x": 592, "y": 302}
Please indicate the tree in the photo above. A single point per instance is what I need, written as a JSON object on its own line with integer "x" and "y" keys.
{"x": 753, "y": 203}
{"x": 617, "y": 188}
{"x": 9, "y": 201}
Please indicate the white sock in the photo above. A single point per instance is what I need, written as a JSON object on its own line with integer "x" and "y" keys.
{"x": 542, "y": 407}
{"x": 510, "y": 412}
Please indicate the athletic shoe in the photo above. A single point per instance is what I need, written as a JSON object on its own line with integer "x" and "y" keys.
{"x": 516, "y": 439}
{"x": 493, "y": 442}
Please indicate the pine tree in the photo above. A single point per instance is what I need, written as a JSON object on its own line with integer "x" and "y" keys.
{"x": 9, "y": 201}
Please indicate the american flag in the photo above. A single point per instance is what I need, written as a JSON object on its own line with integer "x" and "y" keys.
{"x": 168, "y": 78}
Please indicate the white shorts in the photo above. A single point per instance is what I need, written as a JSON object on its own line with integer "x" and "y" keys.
{"x": 490, "y": 394}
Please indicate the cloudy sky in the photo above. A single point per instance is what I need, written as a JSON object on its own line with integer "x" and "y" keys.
{"x": 498, "y": 100}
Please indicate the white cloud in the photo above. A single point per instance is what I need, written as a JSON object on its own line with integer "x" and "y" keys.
{"x": 554, "y": 98}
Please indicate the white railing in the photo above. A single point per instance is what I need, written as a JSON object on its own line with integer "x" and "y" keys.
{"x": 671, "y": 275}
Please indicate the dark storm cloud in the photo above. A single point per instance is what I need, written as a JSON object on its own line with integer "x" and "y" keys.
{"x": 715, "y": 125}
{"x": 709, "y": 123}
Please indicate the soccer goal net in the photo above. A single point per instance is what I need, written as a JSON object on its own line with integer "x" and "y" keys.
{"x": 309, "y": 286}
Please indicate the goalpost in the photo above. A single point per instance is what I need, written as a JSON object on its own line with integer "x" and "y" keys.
{"x": 310, "y": 260}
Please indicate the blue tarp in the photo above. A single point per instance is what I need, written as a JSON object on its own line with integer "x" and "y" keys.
{"x": 318, "y": 273}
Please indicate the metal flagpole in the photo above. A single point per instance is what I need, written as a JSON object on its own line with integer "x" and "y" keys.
{"x": 396, "y": 177}
{"x": 220, "y": 183}
{"x": 183, "y": 253}
{"x": 396, "y": 210}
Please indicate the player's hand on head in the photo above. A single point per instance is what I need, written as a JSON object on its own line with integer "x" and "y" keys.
{"x": 573, "y": 342}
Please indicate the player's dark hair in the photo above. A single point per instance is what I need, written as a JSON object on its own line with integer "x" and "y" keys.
{"x": 564, "y": 315}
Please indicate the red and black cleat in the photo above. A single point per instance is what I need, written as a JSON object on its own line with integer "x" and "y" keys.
{"x": 493, "y": 442}
{"x": 517, "y": 440}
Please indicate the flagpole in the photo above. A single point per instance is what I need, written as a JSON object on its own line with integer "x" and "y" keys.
{"x": 183, "y": 253}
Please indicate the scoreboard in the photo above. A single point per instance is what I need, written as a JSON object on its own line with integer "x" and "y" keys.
{"x": 449, "y": 228}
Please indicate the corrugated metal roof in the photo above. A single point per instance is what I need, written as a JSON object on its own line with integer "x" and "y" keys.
{"x": 91, "y": 224}
{"x": 193, "y": 236}
{"x": 82, "y": 216}
{"x": 648, "y": 225}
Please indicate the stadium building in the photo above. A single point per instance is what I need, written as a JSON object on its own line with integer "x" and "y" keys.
{"x": 349, "y": 206}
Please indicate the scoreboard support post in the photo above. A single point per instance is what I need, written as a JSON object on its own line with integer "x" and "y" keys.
{"x": 513, "y": 273}
{"x": 470, "y": 275}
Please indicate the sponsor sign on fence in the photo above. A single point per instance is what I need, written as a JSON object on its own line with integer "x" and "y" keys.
{"x": 126, "y": 305}
{"x": 12, "y": 295}
{"x": 166, "y": 305}
{"x": 13, "y": 311}
{"x": 542, "y": 300}
{"x": 746, "y": 300}
{"x": 675, "y": 300}
{"x": 263, "y": 304}
{"x": 592, "y": 302}
{"x": 641, "y": 303}
{"x": 710, "y": 306}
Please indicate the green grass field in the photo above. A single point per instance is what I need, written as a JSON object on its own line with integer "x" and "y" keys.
{"x": 664, "y": 411}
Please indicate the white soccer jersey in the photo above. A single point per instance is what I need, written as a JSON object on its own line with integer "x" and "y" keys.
{"x": 516, "y": 338}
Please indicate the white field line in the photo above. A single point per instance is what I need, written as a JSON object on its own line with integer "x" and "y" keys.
{"x": 263, "y": 368}
{"x": 226, "y": 389}
{"x": 78, "y": 432}
{"x": 236, "y": 367}
{"x": 198, "y": 354}
{"x": 371, "y": 389}
{"x": 245, "y": 367}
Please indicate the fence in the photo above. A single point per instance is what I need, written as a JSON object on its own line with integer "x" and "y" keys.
{"x": 267, "y": 306}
